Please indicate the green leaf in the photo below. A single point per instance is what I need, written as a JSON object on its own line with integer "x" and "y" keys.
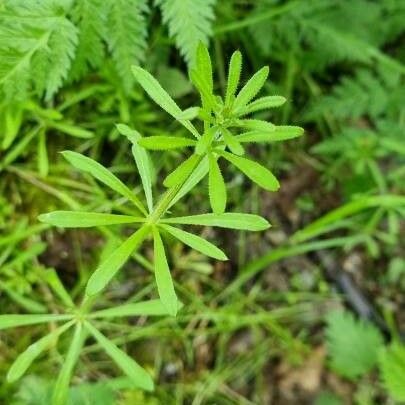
{"x": 392, "y": 369}
{"x": 107, "y": 270}
{"x": 42, "y": 153}
{"x": 232, "y": 142}
{"x": 142, "y": 160}
{"x": 183, "y": 171}
{"x": 163, "y": 277}
{"x": 255, "y": 171}
{"x": 251, "y": 88}
{"x": 13, "y": 321}
{"x": 232, "y": 220}
{"x": 26, "y": 358}
{"x": 235, "y": 67}
{"x": 263, "y": 103}
{"x": 208, "y": 99}
{"x": 126, "y": 32}
{"x": 144, "y": 308}
{"x": 161, "y": 97}
{"x": 102, "y": 174}
{"x": 280, "y": 133}
{"x": 71, "y": 130}
{"x": 206, "y": 140}
{"x": 60, "y": 391}
{"x": 189, "y": 114}
{"x": 52, "y": 279}
{"x": 257, "y": 125}
{"x": 352, "y": 344}
{"x": 189, "y": 23}
{"x": 139, "y": 376}
{"x": 165, "y": 142}
{"x": 80, "y": 219}
{"x": 204, "y": 65}
{"x": 196, "y": 176}
{"x": 216, "y": 186}
{"x": 195, "y": 242}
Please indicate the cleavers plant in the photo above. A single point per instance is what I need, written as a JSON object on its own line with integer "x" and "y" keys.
{"x": 225, "y": 128}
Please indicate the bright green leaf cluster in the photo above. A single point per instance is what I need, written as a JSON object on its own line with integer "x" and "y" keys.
{"x": 223, "y": 120}
{"x": 153, "y": 219}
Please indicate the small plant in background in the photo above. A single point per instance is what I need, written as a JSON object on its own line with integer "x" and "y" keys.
{"x": 356, "y": 347}
{"x": 224, "y": 129}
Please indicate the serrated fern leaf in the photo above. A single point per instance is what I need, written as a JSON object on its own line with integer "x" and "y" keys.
{"x": 189, "y": 21}
{"x": 90, "y": 16}
{"x": 352, "y": 345}
{"x": 392, "y": 368}
{"x": 126, "y": 36}
{"x": 37, "y": 45}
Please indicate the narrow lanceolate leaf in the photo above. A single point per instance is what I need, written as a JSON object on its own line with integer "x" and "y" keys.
{"x": 107, "y": 270}
{"x": 60, "y": 391}
{"x": 232, "y": 142}
{"x": 280, "y": 133}
{"x": 204, "y": 65}
{"x": 179, "y": 175}
{"x": 142, "y": 160}
{"x": 255, "y": 171}
{"x": 198, "y": 174}
{"x": 208, "y": 99}
{"x": 102, "y": 174}
{"x": 263, "y": 103}
{"x": 251, "y": 88}
{"x": 232, "y": 220}
{"x": 188, "y": 114}
{"x": 216, "y": 187}
{"x": 26, "y": 358}
{"x": 163, "y": 277}
{"x": 161, "y": 97}
{"x": 206, "y": 140}
{"x": 256, "y": 125}
{"x": 139, "y": 376}
{"x": 165, "y": 142}
{"x": 80, "y": 219}
{"x": 13, "y": 321}
{"x": 235, "y": 67}
{"x": 144, "y": 308}
{"x": 196, "y": 242}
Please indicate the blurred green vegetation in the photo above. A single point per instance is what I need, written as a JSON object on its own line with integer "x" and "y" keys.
{"x": 252, "y": 331}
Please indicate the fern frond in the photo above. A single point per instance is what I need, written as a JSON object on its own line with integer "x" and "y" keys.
{"x": 364, "y": 93}
{"x": 330, "y": 31}
{"x": 190, "y": 22}
{"x": 90, "y": 16}
{"x": 352, "y": 345}
{"x": 126, "y": 36}
{"x": 37, "y": 44}
{"x": 392, "y": 366}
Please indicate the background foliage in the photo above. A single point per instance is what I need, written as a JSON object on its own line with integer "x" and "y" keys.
{"x": 65, "y": 81}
